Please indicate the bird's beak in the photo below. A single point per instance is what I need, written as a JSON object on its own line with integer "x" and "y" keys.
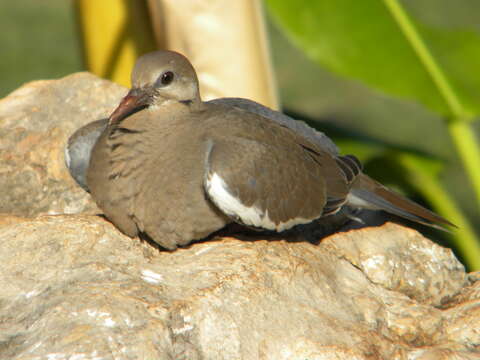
{"x": 134, "y": 101}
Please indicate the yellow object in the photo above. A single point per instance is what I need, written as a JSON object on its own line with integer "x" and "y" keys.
{"x": 114, "y": 34}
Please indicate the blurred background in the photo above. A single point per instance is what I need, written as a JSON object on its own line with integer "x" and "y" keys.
{"x": 393, "y": 82}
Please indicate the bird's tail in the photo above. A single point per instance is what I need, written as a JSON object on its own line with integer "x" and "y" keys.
{"x": 368, "y": 193}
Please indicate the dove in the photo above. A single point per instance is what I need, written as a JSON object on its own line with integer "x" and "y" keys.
{"x": 177, "y": 168}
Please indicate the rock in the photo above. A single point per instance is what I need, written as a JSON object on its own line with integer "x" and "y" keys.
{"x": 402, "y": 261}
{"x": 35, "y": 123}
{"x": 73, "y": 285}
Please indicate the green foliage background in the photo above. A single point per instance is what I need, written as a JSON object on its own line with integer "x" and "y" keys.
{"x": 37, "y": 41}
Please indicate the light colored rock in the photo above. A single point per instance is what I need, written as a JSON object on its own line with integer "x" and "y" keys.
{"x": 74, "y": 287}
{"x": 35, "y": 123}
{"x": 402, "y": 261}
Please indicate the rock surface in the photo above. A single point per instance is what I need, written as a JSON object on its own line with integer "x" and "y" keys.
{"x": 74, "y": 287}
{"x": 35, "y": 123}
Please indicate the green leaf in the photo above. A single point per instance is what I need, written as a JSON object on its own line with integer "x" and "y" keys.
{"x": 379, "y": 43}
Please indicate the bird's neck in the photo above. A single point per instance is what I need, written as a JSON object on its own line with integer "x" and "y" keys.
{"x": 177, "y": 106}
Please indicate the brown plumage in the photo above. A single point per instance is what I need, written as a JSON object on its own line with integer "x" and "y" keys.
{"x": 179, "y": 169}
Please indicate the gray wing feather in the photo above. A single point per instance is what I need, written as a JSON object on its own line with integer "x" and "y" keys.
{"x": 79, "y": 149}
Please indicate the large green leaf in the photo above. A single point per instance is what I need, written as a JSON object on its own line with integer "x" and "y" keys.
{"x": 411, "y": 49}
{"x": 390, "y": 48}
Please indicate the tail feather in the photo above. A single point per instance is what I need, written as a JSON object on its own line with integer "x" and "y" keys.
{"x": 368, "y": 193}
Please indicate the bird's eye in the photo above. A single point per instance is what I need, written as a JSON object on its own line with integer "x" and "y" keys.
{"x": 166, "y": 78}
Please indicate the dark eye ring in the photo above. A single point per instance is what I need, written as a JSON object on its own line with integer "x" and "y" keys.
{"x": 166, "y": 78}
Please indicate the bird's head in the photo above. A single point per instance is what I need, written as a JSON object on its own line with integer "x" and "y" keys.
{"x": 158, "y": 78}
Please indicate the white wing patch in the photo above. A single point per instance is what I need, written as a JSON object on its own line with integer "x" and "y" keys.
{"x": 218, "y": 192}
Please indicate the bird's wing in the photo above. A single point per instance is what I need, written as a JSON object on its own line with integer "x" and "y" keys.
{"x": 300, "y": 127}
{"x": 272, "y": 184}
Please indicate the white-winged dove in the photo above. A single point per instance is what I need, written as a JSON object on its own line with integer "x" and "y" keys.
{"x": 178, "y": 169}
